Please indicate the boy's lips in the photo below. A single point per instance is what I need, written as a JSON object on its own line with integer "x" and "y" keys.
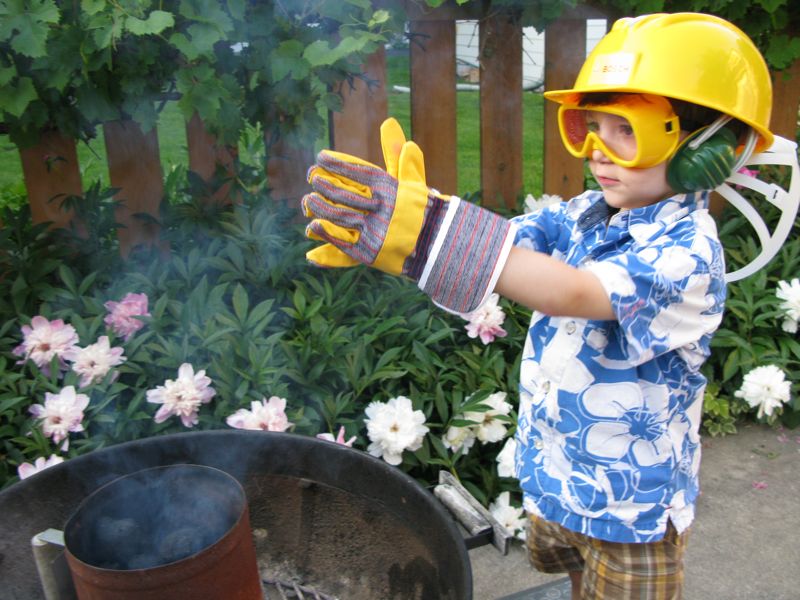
{"x": 606, "y": 181}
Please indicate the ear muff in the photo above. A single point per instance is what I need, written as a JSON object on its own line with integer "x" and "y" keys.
{"x": 696, "y": 167}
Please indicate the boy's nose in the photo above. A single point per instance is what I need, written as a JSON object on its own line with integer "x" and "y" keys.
{"x": 599, "y": 156}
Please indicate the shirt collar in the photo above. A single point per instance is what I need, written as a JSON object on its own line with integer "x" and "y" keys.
{"x": 646, "y": 221}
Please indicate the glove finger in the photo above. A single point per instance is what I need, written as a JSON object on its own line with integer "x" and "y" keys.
{"x": 352, "y": 169}
{"x": 341, "y": 190}
{"x": 317, "y": 171}
{"x": 411, "y": 163}
{"x": 329, "y": 255}
{"x": 315, "y": 205}
{"x": 392, "y": 140}
{"x": 345, "y": 240}
{"x": 325, "y": 231}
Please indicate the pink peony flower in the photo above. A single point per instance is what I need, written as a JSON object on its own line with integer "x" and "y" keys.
{"x": 486, "y": 321}
{"x": 339, "y": 439}
{"x": 183, "y": 396}
{"x": 40, "y": 464}
{"x": 44, "y": 340}
{"x": 61, "y": 414}
{"x": 267, "y": 415}
{"x": 94, "y": 362}
{"x": 122, "y": 315}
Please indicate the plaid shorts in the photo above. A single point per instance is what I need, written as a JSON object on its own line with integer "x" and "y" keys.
{"x": 611, "y": 570}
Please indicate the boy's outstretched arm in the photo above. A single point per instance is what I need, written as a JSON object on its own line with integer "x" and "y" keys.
{"x": 543, "y": 283}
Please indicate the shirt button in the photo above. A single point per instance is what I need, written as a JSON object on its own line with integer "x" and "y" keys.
{"x": 538, "y": 443}
{"x": 571, "y": 327}
{"x": 546, "y": 387}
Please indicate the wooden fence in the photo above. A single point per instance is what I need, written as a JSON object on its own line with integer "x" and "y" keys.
{"x": 133, "y": 156}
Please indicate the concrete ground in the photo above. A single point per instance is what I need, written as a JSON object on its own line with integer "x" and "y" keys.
{"x": 745, "y": 541}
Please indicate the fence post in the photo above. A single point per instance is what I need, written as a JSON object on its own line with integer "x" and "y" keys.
{"x": 433, "y": 98}
{"x": 501, "y": 110}
{"x": 786, "y": 98}
{"x": 134, "y": 166}
{"x": 355, "y": 130}
{"x": 287, "y": 166}
{"x": 206, "y": 155}
{"x": 564, "y": 53}
{"x": 50, "y": 168}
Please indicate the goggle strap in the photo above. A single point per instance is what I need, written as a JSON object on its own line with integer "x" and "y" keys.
{"x": 718, "y": 124}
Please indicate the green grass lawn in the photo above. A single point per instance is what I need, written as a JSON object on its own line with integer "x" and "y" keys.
{"x": 172, "y": 140}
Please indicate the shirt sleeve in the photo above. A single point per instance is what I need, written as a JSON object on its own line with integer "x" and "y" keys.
{"x": 667, "y": 295}
{"x": 545, "y": 230}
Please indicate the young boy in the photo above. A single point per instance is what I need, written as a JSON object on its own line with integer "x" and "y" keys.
{"x": 627, "y": 285}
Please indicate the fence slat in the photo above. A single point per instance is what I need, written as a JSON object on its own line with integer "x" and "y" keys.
{"x": 786, "y": 98}
{"x": 206, "y": 155}
{"x": 564, "y": 53}
{"x": 355, "y": 130}
{"x": 134, "y": 166}
{"x": 286, "y": 171}
{"x": 433, "y": 99}
{"x": 501, "y": 110}
{"x": 51, "y": 168}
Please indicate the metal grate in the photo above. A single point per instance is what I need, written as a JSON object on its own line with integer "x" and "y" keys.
{"x": 291, "y": 590}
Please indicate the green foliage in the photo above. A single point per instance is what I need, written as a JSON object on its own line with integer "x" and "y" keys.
{"x": 751, "y": 334}
{"x": 72, "y": 66}
{"x": 235, "y": 297}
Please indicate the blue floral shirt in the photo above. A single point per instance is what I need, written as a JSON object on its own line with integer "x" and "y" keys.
{"x": 608, "y": 436}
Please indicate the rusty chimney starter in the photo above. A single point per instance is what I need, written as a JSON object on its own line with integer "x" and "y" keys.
{"x": 179, "y": 531}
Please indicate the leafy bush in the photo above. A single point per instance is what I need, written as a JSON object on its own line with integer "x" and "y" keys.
{"x": 235, "y": 297}
{"x": 751, "y": 334}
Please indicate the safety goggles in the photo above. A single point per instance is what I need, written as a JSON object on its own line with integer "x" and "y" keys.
{"x": 652, "y": 122}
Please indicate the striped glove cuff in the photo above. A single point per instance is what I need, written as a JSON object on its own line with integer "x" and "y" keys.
{"x": 467, "y": 256}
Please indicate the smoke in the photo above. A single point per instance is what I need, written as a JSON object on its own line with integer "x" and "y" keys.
{"x": 154, "y": 517}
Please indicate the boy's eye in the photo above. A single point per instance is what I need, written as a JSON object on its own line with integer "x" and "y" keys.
{"x": 592, "y": 126}
{"x": 626, "y": 129}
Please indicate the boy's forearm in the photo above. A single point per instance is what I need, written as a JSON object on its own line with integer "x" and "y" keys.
{"x": 552, "y": 287}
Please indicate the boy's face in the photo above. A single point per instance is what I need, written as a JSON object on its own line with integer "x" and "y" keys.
{"x": 623, "y": 187}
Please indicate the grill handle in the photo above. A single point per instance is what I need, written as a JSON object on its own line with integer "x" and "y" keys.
{"x": 479, "y": 523}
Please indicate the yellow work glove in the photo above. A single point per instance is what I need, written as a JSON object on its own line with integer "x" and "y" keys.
{"x": 390, "y": 220}
{"x": 368, "y": 215}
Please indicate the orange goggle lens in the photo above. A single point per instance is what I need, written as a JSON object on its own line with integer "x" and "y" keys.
{"x": 656, "y": 130}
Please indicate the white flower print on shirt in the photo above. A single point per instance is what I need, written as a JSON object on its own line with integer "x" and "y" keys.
{"x": 632, "y": 419}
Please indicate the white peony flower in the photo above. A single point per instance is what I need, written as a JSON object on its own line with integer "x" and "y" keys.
{"x": 267, "y": 415}
{"x": 505, "y": 459}
{"x": 490, "y": 428}
{"x": 394, "y": 427}
{"x": 510, "y": 517}
{"x": 459, "y": 439}
{"x": 766, "y": 388}
{"x": 95, "y": 361}
{"x": 183, "y": 396}
{"x": 534, "y": 204}
{"x": 485, "y": 322}
{"x": 790, "y": 294}
{"x": 61, "y": 414}
{"x": 40, "y": 464}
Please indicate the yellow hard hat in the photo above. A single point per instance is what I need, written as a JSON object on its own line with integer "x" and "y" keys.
{"x": 694, "y": 57}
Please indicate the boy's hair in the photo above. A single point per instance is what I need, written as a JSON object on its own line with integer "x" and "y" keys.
{"x": 691, "y": 116}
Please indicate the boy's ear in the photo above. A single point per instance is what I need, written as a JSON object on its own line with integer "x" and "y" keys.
{"x": 705, "y": 167}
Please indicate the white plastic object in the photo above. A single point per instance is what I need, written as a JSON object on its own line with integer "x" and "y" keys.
{"x": 782, "y": 152}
